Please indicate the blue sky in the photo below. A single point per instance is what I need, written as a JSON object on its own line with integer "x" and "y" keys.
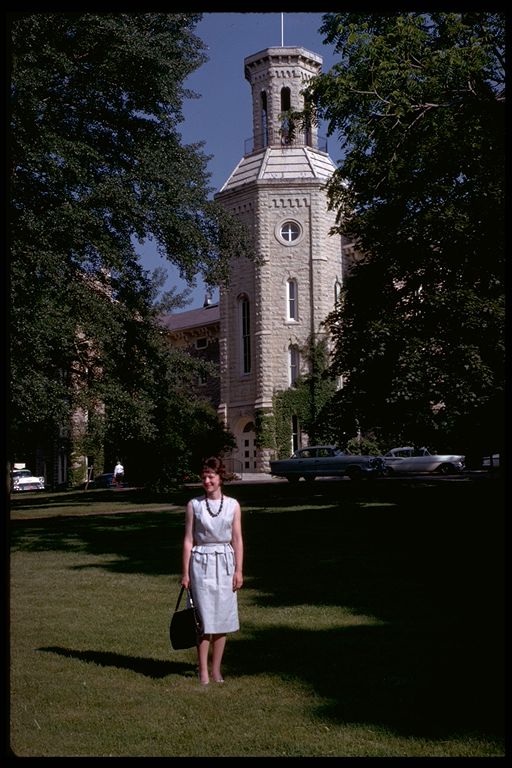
{"x": 222, "y": 116}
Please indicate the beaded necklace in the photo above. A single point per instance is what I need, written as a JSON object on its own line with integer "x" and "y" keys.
{"x": 214, "y": 514}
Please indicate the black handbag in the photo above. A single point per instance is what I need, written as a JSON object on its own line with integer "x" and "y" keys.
{"x": 186, "y": 626}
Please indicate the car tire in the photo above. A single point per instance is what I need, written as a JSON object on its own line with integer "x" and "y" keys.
{"x": 293, "y": 478}
{"x": 446, "y": 469}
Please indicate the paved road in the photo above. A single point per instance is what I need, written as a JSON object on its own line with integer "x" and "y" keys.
{"x": 262, "y": 477}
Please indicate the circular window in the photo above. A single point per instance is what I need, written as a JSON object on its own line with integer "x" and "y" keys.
{"x": 289, "y": 232}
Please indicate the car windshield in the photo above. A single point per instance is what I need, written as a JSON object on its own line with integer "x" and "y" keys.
{"x": 22, "y": 473}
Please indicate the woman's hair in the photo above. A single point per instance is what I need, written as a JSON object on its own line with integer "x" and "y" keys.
{"x": 214, "y": 464}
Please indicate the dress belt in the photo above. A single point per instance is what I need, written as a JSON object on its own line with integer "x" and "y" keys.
{"x": 202, "y": 556}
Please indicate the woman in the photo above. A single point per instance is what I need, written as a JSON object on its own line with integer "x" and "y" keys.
{"x": 212, "y": 565}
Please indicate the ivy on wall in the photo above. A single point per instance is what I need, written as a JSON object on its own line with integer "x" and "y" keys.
{"x": 305, "y": 400}
{"x": 290, "y": 402}
{"x": 265, "y": 429}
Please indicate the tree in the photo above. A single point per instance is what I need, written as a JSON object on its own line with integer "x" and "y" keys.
{"x": 182, "y": 431}
{"x": 419, "y": 104}
{"x": 307, "y": 399}
{"x": 96, "y": 164}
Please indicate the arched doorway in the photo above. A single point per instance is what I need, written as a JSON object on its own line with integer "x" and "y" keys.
{"x": 246, "y": 441}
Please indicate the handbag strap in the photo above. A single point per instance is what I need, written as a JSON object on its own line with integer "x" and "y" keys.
{"x": 179, "y": 598}
{"x": 189, "y": 593}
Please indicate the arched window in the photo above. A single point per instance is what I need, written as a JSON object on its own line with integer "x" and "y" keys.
{"x": 308, "y": 127}
{"x": 264, "y": 118}
{"x": 285, "y": 100}
{"x": 292, "y": 300}
{"x": 245, "y": 333}
{"x": 337, "y": 293}
{"x": 293, "y": 364}
{"x": 286, "y": 128}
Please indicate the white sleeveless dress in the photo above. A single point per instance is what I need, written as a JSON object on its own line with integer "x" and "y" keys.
{"x": 212, "y": 565}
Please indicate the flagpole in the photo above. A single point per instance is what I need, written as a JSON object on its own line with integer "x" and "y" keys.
{"x": 282, "y": 30}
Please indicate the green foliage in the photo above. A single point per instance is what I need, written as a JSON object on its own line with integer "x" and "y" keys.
{"x": 174, "y": 431}
{"x": 308, "y": 400}
{"x": 419, "y": 102}
{"x": 363, "y": 446}
{"x": 265, "y": 429}
{"x": 97, "y": 164}
{"x": 290, "y": 402}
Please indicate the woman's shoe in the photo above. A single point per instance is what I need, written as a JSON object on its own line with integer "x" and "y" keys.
{"x": 218, "y": 680}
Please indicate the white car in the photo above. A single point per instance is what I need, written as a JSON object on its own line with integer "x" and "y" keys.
{"x": 415, "y": 460}
{"x": 24, "y": 480}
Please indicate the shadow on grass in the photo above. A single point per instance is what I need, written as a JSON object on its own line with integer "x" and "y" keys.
{"x": 77, "y": 498}
{"x": 414, "y": 680}
{"x": 138, "y": 542}
{"x": 425, "y": 560}
{"x": 153, "y": 668}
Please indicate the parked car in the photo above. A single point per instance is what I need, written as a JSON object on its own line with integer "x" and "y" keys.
{"x": 326, "y": 461}
{"x": 24, "y": 480}
{"x": 106, "y": 480}
{"x": 416, "y": 460}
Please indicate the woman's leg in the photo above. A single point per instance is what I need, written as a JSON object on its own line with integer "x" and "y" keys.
{"x": 218, "y": 645}
{"x": 202, "y": 658}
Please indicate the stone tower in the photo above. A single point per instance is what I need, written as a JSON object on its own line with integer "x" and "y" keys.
{"x": 275, "y": 305}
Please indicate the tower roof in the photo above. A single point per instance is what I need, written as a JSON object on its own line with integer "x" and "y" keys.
{"x": 284, "y": 55}
{"x": 291, "y": 163}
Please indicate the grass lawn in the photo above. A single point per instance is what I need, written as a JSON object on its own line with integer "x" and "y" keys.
{"x": 372, "y": 625}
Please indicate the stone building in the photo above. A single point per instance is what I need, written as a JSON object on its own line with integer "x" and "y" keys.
{"x": 197, "y": 331}
{"x": 275, "y": 305}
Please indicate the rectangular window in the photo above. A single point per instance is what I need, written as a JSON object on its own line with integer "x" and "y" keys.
{"x": 201, "y": 343}
{"x": 292, "y": 300}
{"x": 295, "y": 433}
{"x": 293, "y": 365}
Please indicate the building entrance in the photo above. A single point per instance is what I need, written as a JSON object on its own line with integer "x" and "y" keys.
{"x": 247, "y": 447}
